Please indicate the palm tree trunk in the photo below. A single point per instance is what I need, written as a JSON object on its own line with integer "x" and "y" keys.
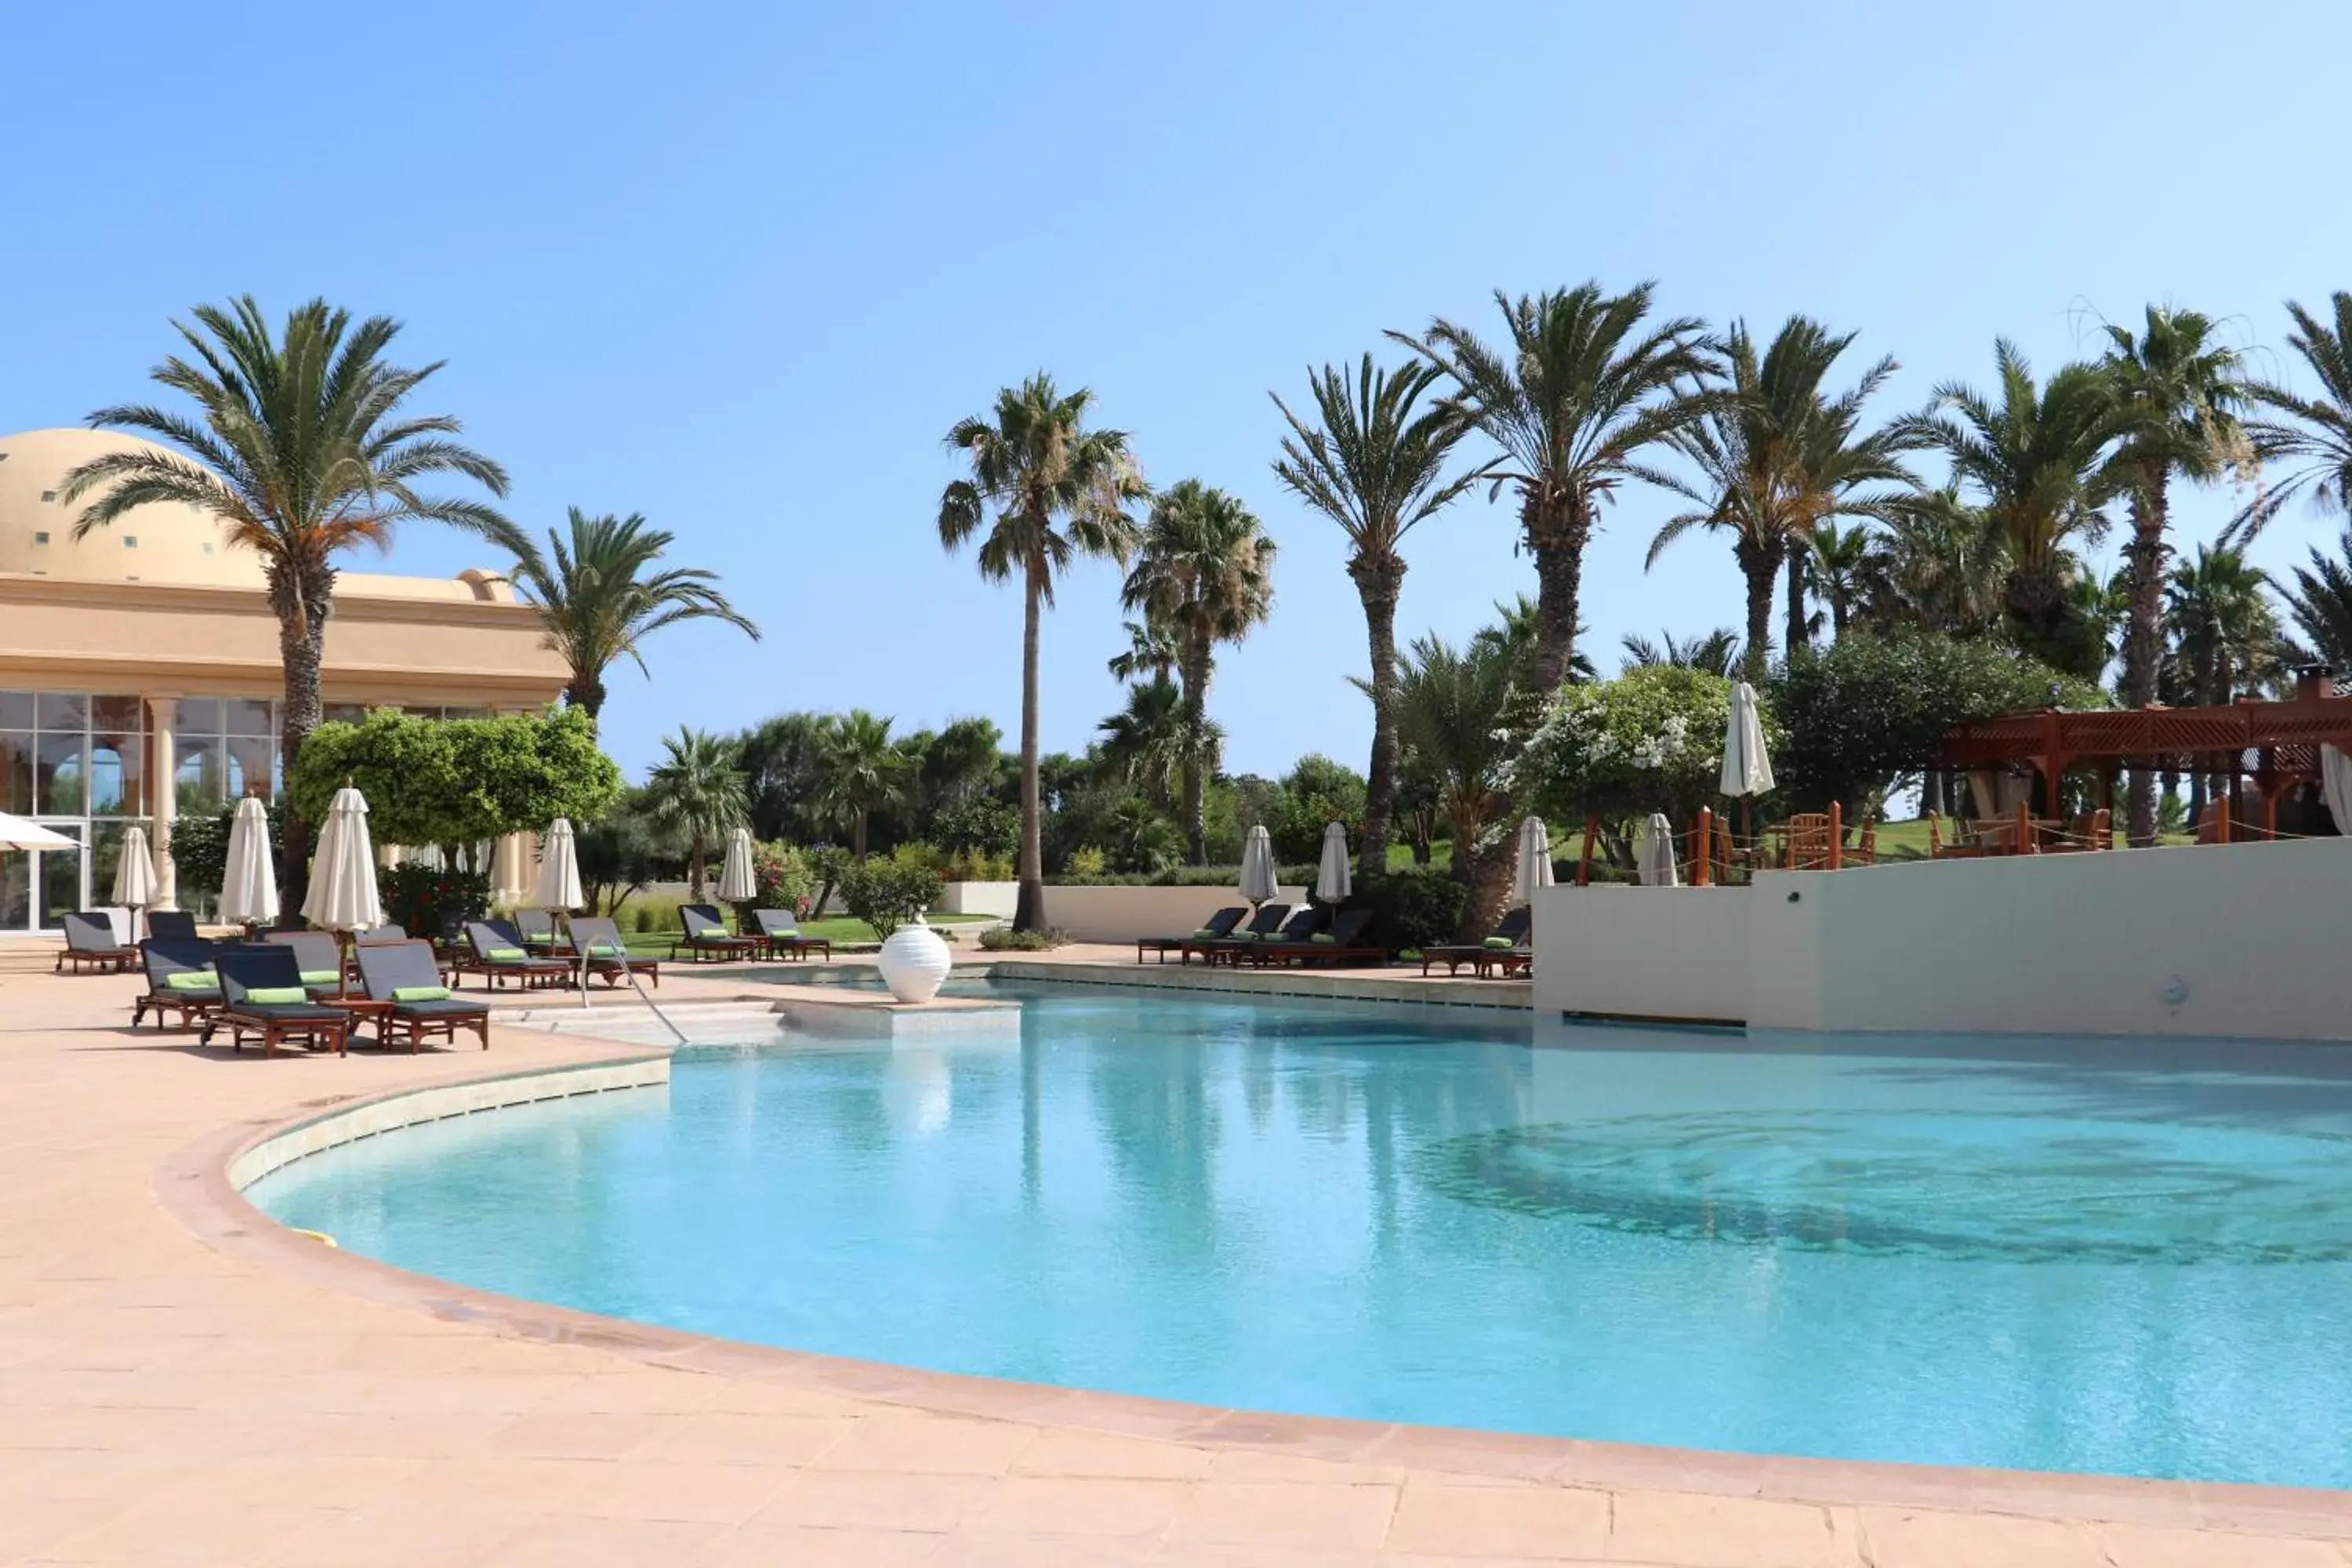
{"x": 302, "y": 610}
{"x": 857, "y": 833}
{"x": 585, "y": 692}
{"x": 695, "y": 848}
{"x": 1029, "y": 907}
{"x": 1196, "y": 710}
{"x": 1379, "y": 582}
{"x": 1556, "y": 533}
{"x": 2144, "y": 636}
{"x": 1758, "y": 567}
{"x": 1486, "y": 869}
{"x": 1799, "y": 636}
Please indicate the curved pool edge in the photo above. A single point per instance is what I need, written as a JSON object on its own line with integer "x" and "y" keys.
{"x": 201, "y": 1185}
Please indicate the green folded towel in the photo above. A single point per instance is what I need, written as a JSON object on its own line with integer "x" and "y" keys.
{"x": 1323, "y": 936}
{"x": 506, "y": 955}
{"x": 1207, "y": 931}
{"x": 190, "y": 980}
{"x": 420, "y": 994}
{"x": 1243, "y": 936}
{"x": 540, "y": 938}
{"x": 606, "y": 949}
{"x": 277, "y": 995}
{"x": 1499, "y": 943}
{"x": 320, "y": 977}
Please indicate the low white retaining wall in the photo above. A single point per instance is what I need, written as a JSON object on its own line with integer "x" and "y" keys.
{"x": 1125, "y": 914}
{"x": 978, "y": 899}
{"x": 2243, "y": 941}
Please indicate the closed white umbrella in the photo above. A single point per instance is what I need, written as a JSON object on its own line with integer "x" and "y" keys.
{"x": 250, "y": 881}
{"x": 1747, "y": 769}
{"x": 2336, "y": 787}
{"x": 1655, "y": 855}
{"x": 135, "y": 882}
{"x": 15, "y": 833}
{"x": 558, "y": 870}
{"x": 1334, "y": 879}
{"x": 1257, "y": 865}
{"x": 1535, "y": 861}
{"x": 736, "y": 884}
{"x": 342, "y": 877}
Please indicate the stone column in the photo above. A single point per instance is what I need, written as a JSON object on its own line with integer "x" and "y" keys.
{"x": 164, "y": 787}
{"x": 510, "y": 869}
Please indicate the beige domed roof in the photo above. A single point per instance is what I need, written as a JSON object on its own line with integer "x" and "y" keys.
{"x": 157, "y": 543}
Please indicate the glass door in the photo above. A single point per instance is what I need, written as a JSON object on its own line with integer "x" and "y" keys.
{"x": 59, "y": 879}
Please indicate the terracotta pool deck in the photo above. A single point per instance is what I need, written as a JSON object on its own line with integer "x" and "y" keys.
{"x": 182, "y": 1382}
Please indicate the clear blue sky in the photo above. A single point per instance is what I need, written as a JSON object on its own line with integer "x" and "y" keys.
{"x": 740, "y": 267}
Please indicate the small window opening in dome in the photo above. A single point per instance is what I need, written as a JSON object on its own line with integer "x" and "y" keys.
{"x": 49, "y": 495}
{"x": 41, "y": 537}
{"x": 131, "y": 579}
{"x": 208, "y": 550}
{"x": 130, "y": 542}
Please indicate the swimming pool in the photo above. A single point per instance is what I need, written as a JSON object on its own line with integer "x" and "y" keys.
{"x": 2130, "y": 1258}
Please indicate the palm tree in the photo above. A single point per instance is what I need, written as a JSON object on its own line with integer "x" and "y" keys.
{"x": 2321, "y": 603}
{"x": 2317, "y": 431}
{"x": 1205, "y": 573}
{"x": 1583, "y": 391}
{"x": 1943, "y": 567}
{"x": 301, "y": 448}
{"x": 1151, "y": 650}
{"x": 864, "y": 771}
{"x": 1843, "y": 567}
{"x": 597, "y": 600}
{"x": 1157, "y": 742}
{"x": 1514, "y": 633}
{"x": 2177, "y": 395}
{"x": 1450, "y": 709}
{"x": 698, "y": 794}
{"x": 2228, "y": 631}
{"x": 1716, "y": 653}
{"x": 2036, "y": 458}
{"x": 1777, "y": 456}
{"x": 1375, "y": 465}
{"x": 1038, "y": 464}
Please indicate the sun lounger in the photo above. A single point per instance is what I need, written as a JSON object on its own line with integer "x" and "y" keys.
{"x": 407, "y": 976}
{"x": 597, "y": 943}
{"x": 1302, "y": 924}
{"x": 262, "y": 995}
{"x": 1265, "y": 922}
{"x": 537, "y": 928}
{"x": 318, "y": 956}
{"x": 1343, "y": 943}
{"x": 706, "y": 936}
{"x": 781, "y": 935}
{"x": 1510, "y": 933}
{"x": 172, "y": 925}
{"x": 494, "y": 951}
{"x": 91, "y": 945}
{"x": 180, "y": 979}
{"x": 1219, "y": 926}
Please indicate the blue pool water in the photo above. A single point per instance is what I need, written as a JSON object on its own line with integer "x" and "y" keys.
{"x": 2120, "y": 1257}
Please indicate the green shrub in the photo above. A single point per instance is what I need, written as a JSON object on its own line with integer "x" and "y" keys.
{"x": 1005, "y": 939}
{"x": 1410, "y": 909}
{"x": 887, "y": 894}
{"x": 416, "y": 894}
{"x": 978, "y": 830}
{"x": 654, "y": 915}
{"x": 783, "y": 878}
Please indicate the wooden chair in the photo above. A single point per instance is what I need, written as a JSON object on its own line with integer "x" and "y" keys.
{"x": 1808, "y": 840}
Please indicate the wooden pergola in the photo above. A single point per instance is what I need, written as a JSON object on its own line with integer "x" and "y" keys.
{"x": 2275, "y": 743}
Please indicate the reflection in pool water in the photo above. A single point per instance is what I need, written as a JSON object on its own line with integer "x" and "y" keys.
{"x": 2125, "y": 1257}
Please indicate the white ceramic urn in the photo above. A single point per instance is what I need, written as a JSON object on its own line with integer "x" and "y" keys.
{"x": 914, "y": 962}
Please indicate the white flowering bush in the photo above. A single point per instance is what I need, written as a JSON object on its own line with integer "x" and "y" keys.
{"x": 1651, "y": 740}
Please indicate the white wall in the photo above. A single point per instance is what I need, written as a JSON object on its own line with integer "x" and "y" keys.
{"x": 978, "y": 899}
{"x": 1124, "y": 914}
{"x": 2249, "y": 940}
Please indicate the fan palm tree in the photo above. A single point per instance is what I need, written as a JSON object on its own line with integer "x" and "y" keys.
{"x": 2228, "y": 631}
{"x": 2177, "y": 395}
{"x": 1151, "y": 651}
{"x": 1583, "y": 390}
{"x": 301, "y": 447}
{"x": 1716, "y": 653}
{"x": 1205, "y": 572}
{"x": 1777, "y": 456}
{"x": 1060, "y": 491}
{"x": 2036, "y": 458}
{"x": 1943, "y": 567}
{"x": 2321, "y": 603}
{"x": 1451, "y": 707}
{"x": 1843, "y": 567}
{"x": 598, "y": 600}
{"x": 698, "y": 794}
{"x": 864, "y": 771}
{"x": 1157, "y": 742}
{"x": 2315, "y": 432}
{"x": 1374, "y": 463}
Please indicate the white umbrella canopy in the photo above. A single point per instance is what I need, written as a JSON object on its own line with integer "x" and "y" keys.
{"x": 250, "y": 881}
{"x": 1256, "y": 882}
{"x": 1334, "y": 878}
{"x": 342, "y": 877}
{"x": 1535, "y": 861}
{"x": 15, "y": 833}
{"x": 736, "y": 884}
{"x": 558, "y": 868}
{"x": 2336, "y": 787}
{"x": 1655, "y": 855}
{"x": 1747, "y": 769}
{"x": 135, "y": 883}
